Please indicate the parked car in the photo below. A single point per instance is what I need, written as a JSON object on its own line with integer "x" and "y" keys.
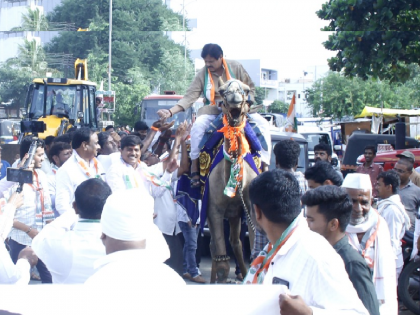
{"x": 275, "y": 120}
{"x": 357, "y": 142}
{"x": 388, "y": 158}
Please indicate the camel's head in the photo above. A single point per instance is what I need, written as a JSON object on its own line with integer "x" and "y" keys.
{"x": 235, "y": 96}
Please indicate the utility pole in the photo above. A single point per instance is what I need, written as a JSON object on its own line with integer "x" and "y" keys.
{"x": 110, "y": 45}
{"x": 185, "y": 41}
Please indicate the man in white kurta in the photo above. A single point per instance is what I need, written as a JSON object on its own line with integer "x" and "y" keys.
{"x": 71, "y": 244}
{"x": 369, "y": 234}
{"x": 128, "y": 172}
{"x": 299, "y": 261}
{"x": 392, "y": 210}
{"x": 135, "y": 247}
{"x": 81, "y": 166}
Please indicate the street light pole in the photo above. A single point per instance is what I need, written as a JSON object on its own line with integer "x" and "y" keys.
{"x": 110, "y": 45}
{"x": 185, "y": 41}
{"x": 303, "y": 91}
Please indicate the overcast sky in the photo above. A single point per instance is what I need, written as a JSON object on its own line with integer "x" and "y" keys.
{"x": 284, "y": 34}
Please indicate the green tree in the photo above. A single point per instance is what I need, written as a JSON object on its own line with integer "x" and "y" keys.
{"x": 279, "y": 107}
{"x": 138, "y": 38}
{"x": 32, "y": 56}
{"x": 32, "y": 20}
{"x": 259, "y": 95}
{"x": 373, "y": 38}
{"x": 14, "y": 82}
{"x": 338, "y": 96}
{"x": 129, "y": 96}
{"x": 139, "y": 46}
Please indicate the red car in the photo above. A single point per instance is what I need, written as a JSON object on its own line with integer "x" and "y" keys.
{"x": 388, "y": 158}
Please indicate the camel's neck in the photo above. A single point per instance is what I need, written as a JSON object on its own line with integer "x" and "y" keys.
{"x": 230, "y": 146}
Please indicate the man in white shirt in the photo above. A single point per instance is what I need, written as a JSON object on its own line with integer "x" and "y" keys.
{"x": 36, "y": 211}
{"x": 71, "y": 244}
{"x": 129, "y": 172}
{"x": 9, "y": 272}
{"x": 368, "y": 233}
{"x": 392, "y": 210}
{"x": 135, "y": 249}
{"x": 108, "y": 147}
{"x": 81, "y": 166}
{"x": 59, "y": 152}
{"x": 301, "y": 262}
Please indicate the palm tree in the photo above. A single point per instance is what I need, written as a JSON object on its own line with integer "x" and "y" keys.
{"x": 33, "y": 21}
{"x": 32, "y": 56}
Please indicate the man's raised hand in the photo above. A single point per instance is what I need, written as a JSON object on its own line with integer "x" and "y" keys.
{"x": 172, "y": 165}
{"x": 293, "y": 305}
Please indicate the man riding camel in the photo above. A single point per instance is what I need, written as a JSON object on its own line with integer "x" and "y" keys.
{"x": 206, "y": 83}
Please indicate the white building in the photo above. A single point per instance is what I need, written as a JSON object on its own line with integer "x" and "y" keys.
{"x": 11, "y": 12}
{"x": 289, "y": 86}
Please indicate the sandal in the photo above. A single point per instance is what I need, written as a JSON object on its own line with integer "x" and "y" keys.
{"x": 195, "y": 180}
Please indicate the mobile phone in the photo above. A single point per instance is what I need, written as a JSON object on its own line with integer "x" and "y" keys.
{"x": 281, "y": 282}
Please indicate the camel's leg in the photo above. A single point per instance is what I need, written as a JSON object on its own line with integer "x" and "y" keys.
{"x": 215, "y": 221}
{"x": 213, "y": 263}
{"x": 251, "y": 232}
{"x": 235, "y": 242}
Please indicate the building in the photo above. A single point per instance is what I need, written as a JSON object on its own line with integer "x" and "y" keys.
{"x": 11, "y": 12}
{"x": 289, "y": 86}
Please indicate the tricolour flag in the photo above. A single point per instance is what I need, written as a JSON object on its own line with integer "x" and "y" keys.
{"x": 291, "y": 125}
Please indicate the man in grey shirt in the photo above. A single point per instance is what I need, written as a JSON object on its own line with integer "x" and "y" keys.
{"x": 409, "y": 193}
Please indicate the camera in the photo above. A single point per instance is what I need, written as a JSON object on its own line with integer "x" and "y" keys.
{"x": 22, "y": 175}
{"x": 28, "y": 126}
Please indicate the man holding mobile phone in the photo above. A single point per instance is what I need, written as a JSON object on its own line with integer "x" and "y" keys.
{"x": 32, "y": 216}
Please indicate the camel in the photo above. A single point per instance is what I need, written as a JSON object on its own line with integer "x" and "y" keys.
{"x": 235, "y": 107}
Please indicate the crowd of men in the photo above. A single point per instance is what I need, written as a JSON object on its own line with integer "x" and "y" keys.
{"x": 103, "y": 210}
{"x": 88, "y": 216}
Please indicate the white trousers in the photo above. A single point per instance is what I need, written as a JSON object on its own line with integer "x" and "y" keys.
{"x": 203, "y": 122}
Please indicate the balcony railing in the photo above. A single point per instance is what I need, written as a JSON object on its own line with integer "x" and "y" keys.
{"x": 268, "y": 83}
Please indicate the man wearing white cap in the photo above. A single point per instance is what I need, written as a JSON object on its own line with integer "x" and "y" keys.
{"x": 369, "y": 234}
{"x": 134, "y": 245}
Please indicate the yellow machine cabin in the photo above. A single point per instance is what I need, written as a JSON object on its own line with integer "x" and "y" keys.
{"x": 62, "y": 103}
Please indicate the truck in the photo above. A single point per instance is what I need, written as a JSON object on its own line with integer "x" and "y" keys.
{"x": 152, "y": 103}
{"x": 62, "y": 103}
